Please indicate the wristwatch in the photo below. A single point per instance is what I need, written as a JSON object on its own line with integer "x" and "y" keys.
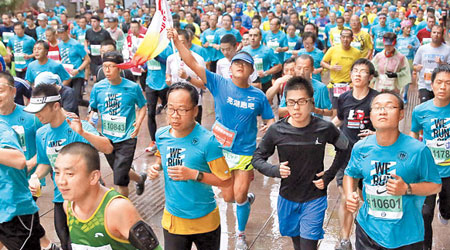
{"x": 409, "y": 189}
{"x": 189, "y": 79}
{"x": 199, "y": 177}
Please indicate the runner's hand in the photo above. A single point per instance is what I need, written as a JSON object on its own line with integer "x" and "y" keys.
{"x": 352, "y": 202}
{"x": 263, "y": 128}
{"x": 336, "y": 67}
{"x": 419, "y": 67}
{"x": 153, "y": 171}
{"x": 285, "y": 171}
{"x": 319, "y": 183}
{"x": 74, "y": 122}
{"x": 182, "y": 73}
{"x": 365, "y": 132}
{"x": 31, "y": 164}
{"x": 136, "y": 130}
{"x": 261, "y": 74}
{"x": 181, "y": 173}
{"x": 396, "y": 186}
{"x": 172, "y": 34}
{"x": 33, "y": 187}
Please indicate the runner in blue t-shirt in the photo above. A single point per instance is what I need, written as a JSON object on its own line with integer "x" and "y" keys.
{"x": 292, "y": 39}
{"x": 192, "y": 161}
{"x": 265, "y": 60}
{"x": 276, "y": 39}
{"x": 207, "y": 39}
{"x": 237, "y": 105}
{"x": 433, "y": 119}
{"x": 44, "y": 64}
{"x": 115, "y": 99}
{"x": 227, "y": 28}
{"x": 397, "y": 172}
{"x": 377, "y": 33}
{"x": 309, "y": 39}
{"x": 60, "y": 128}
{"x": 21, "y": 46}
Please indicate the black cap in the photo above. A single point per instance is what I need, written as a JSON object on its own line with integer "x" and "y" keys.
{"x": 113, "y": 56}
{"x": 113, "y": 20}
{"x": 96, "y": 17}
{"x": 62, "y": 28}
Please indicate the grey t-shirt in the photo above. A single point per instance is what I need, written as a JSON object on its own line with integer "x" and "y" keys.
{"x": 426, "y": 55}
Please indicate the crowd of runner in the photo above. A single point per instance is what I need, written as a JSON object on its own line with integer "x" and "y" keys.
{"x": 300, "y": 74}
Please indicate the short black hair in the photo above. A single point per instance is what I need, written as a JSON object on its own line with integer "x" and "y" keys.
{"x": 441, "y": 68}
{"x": 185, "y": 34}
{"x": 86, "y": 151}
{"x": 108, "y": 42}
{"x": 44, "y": 43}
{"x": 289, "y": 60}
{"x": 185, "y": 86}
{"x": 401, "y": 104}
{"x": 299, "y": 83}
{"x": 349, "y": 30}
{"x": 368, "y": 63}
{"x": 229, "y": 38}
{"x": 46, "y": 89}
{"x": 19, "y": 24}
{"x": 309, "y": 35}
{"x": 306, "y": 57}
{"x": 9, "y": 78}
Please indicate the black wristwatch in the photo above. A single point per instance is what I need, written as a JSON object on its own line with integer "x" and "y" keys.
{"x": 409, "y": 189}
{"x": 189, "y": 78}
{"x": 199, "y": 177}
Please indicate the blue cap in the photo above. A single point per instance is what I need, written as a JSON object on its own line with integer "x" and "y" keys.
{"x": 239, "y": 5}
{"x": 244, "y": 56}
{"x": 392, "y": 9}
{"x": 412, "y": 16}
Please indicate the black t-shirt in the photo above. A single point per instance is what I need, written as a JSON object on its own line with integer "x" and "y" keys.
{"x": 68, "y": 100}
{"x": 97, "y": 38}
{"x": 354, "y": 114}
{"x": 304, "y": 149}
{"x": 31, "y": 32}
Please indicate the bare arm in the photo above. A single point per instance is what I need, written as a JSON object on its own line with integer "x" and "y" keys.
{"x": 282, "y": 111}
{"x": 275, "y": 69}
{"x": 187, "y": 56}
{"x": 414, "y": 134}
{"x": 120, "y": 216}
{"x": 12, "y": 158}
{"x": 140, "y": 115}
{"x": 336, "y": 121}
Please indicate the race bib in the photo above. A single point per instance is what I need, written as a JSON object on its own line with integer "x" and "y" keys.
{"x": 95, "y": 50}
{"x": 258, "y": 64}
{"x": 379, "y": 44}
{"x": 19, "y": 58}
{"x": 68, "y": 67}
{"x": 356, "y": 45}
{"x": 440, "y": 150}
{"x": 83, "y": 247}
{"x": 21, "y": 133}
{"x": 385, "y": 83}
{"x": 291, "y": 46}
{"x": 383, "y": 205}
{"x": 6, "y": 36}
{"x": 427, "y": 75}
{"x": 81, "y": 38}
{"x": 210, "y": 40}
{"x": 340, "y": 88}
{"x": 154, "y": 65}
{"x": 54, "y": 55}
{"x": 336, "y": 39}
{"x": 273, "y": 45}
{"x": 404, "y": 50}
{"x": 322, "y": 31}
{"x": 114, "y": 125}
{"x": 224, "y": 135}
{"x": 365, "y": 30}
{"x": 426, "y": 41}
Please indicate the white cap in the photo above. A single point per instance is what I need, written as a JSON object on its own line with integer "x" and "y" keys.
{"x": 47, "y": 78}
{"x": 42, "y": 17}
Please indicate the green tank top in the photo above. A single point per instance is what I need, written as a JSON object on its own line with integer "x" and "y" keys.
{"x": 91, "y": 234}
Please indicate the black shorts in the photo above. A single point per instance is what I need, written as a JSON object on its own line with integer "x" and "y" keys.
{"x": 22, "y": 232}
{"x": 204, "y": 241}
{"x": 364, "y": 242}
{"x": 120, "y": 160}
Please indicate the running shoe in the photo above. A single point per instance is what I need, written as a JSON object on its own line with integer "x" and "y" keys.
{"x": 251, "y": 198}
{"x": 241, "y": 244}
{"x": 344, "y": 245}
{"x": 441, "y": 219}
{"x": 140, "y": 186}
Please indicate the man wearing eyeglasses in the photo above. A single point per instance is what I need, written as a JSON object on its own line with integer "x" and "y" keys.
{"x": 396, "y": 172}
{"x": 192, "y": 161}
{"x": 115, "y": 99}
{"x": 300, "y": 139}
{"x": 432, "y": 118}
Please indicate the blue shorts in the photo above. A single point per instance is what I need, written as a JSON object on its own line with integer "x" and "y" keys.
{"x": 302, "y": 219}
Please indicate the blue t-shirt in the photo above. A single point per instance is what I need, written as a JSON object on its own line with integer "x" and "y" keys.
{"x": 156, "y": 71}
{"x": 377, "y": 31}
{"x": 34, "y": 69}
{"x": 328, "y": 27}
{"x": 321, "y": 97}
{"x": 220, "y": 33}
{"x": 79, "y": 33}
{"x": 72, "y": 53}
{"x": 200, "y": 51}
{"x": 188, "y": 199}
{"x": 264, "y": 58}
{"x": 40, "y": 32}
{"x": 277, "y": 40}
{"x": 393, "y": 23}
{"x": 236, "y": 110}
{"x": 19, "y": 46}
{"x": 435, "y": 123}
{"x": 49, "y": 141}
{"x": 292, "y": 41}
{"x": 386, "y": 218}
{"x": 15, "y": 197}
{"x": 403, "y": 43}
{"x": 317, "y": 55}
{"x": 117, "y": 106}
{"x": 208, "y": 36}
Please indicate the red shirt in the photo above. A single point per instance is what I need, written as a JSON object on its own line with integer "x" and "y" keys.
{"x": 53, "y": 53}
{"x": 423, "y": 33}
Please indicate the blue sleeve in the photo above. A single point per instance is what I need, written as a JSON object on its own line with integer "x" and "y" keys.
{"x": 81, "y": 50}
{"x": 213, "y": 150}
{"x": 42, "y": 157}
{"x": 427, "y": 168}
{"x": 283, "y": 102}
{"x": 354, "y": 168}
{"x": 10, "y": 43}
{"x": 238, "y": 37}
{"x": 29, "y": 76}
{"x": 325, "y": 102}
{"x": 415, "y": 124}
{"x": 297, "y": 45}
{"x": 216, "y": 38}
{"x": 9, "y": 139}
{"x": 62, "y": 72}
{"x": 212, "y": 81}
{"x": 274, "y": 58}
{"x": 267, "y": 112}
{"x": 284, "y": 42}
{"x": 92, "y": 100}
{"x": 141, "y": 101}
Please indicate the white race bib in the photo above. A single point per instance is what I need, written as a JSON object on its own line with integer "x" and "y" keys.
{"x": 379, "y": 43}
{"x": 83, "y": 247}
{"x": 259, "y": 64}
{"x": 426, "y": 41}
{"x": 95, "y": 50}
{"x": 21, "y": 133}
{"x": 273, "y": 45}
{"x": 210, "y": 40}
{"x": 385, "y": 83}
{"x": 114, "y": 125}
{"x": 383, "y": 205}
{"x": 19, "y": 58}
{"x": 340, "y": 88}
{"x": 356, "y": 45}
{"x": 81, "y": 39}
{"x": 54, "y": 55}
{"x": 441, "y": 151}
{"x": 153, "y": 65}
{"x": 68, "y": 67}
{"x": 6, "y": 36}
